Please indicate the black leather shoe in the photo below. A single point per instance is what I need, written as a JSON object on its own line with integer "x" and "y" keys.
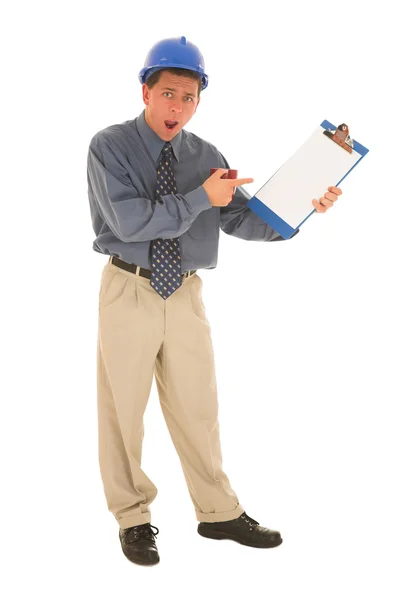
{"x": 138, "y": 544}
{"x": 243, "y": 530}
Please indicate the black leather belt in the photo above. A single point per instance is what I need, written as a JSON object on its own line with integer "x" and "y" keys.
{"x": 132, "y": 268}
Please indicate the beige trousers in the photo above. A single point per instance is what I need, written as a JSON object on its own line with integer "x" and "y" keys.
{"x": 140, "y": 335}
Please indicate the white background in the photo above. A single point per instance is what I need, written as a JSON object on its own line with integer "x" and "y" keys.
{"x": 305, "y": 331}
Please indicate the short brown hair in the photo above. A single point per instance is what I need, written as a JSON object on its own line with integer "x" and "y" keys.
{"x": 154, "y": 78}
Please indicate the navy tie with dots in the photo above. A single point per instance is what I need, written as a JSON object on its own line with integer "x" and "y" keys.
{"x": 165, "y": 254}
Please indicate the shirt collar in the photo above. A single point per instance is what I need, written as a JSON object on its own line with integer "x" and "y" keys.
{"x": 153, "y": 142}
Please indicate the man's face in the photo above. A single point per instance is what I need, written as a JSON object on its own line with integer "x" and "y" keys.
{"x": 173, "y": 99}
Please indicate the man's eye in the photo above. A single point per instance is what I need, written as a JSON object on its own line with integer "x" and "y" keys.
{"x": 187, "y": 97}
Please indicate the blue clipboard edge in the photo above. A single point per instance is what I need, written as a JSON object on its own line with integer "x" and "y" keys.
{"x": 277, "y": 223}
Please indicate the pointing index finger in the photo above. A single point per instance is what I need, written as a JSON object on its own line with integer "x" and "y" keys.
{"x": 235, "y": 182}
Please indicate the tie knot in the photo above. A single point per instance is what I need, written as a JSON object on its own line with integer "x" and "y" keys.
{"x": 167, "y": 148}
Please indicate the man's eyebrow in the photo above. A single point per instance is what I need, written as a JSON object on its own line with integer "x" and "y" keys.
{"x": 174, "y": 90}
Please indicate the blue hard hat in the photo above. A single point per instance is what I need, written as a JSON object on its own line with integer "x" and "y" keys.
{"x": 174, "y": 52}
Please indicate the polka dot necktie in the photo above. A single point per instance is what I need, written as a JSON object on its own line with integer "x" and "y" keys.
{"x": 165, "y": 254}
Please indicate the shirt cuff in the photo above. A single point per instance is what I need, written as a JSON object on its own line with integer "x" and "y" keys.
{"x": 199, "y": 200}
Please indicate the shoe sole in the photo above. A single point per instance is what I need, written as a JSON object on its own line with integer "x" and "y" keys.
{"x": 142, "y": 564}
{"x": 226, "y": 536}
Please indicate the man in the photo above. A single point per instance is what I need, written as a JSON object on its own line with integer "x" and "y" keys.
{"x": 156, "y": 213}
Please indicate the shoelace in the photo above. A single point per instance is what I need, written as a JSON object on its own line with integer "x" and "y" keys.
{"x": 249, "y": 520}
{"x": 137, "y": 532}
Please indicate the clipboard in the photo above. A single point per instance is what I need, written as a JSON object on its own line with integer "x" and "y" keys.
{"x": 284, "y": 201}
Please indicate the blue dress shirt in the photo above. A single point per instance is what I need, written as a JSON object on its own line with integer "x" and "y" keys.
{"x": 121, "y": 174}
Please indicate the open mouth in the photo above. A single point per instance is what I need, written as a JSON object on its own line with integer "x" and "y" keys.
{"x": 171, "y": 124}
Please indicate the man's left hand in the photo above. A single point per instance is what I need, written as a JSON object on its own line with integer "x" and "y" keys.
{"x": 327, "y": 200}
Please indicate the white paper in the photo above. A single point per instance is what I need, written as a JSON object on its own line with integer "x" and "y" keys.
{"x": 317, "y": 164}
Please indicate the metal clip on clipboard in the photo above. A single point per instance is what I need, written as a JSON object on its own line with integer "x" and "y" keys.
{"x": 341, "y": 137}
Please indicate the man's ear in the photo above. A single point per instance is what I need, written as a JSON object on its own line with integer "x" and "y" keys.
{"x": 145, "y": 93}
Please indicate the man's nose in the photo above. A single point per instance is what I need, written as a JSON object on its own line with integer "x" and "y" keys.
{"x": 177, "y": 106}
